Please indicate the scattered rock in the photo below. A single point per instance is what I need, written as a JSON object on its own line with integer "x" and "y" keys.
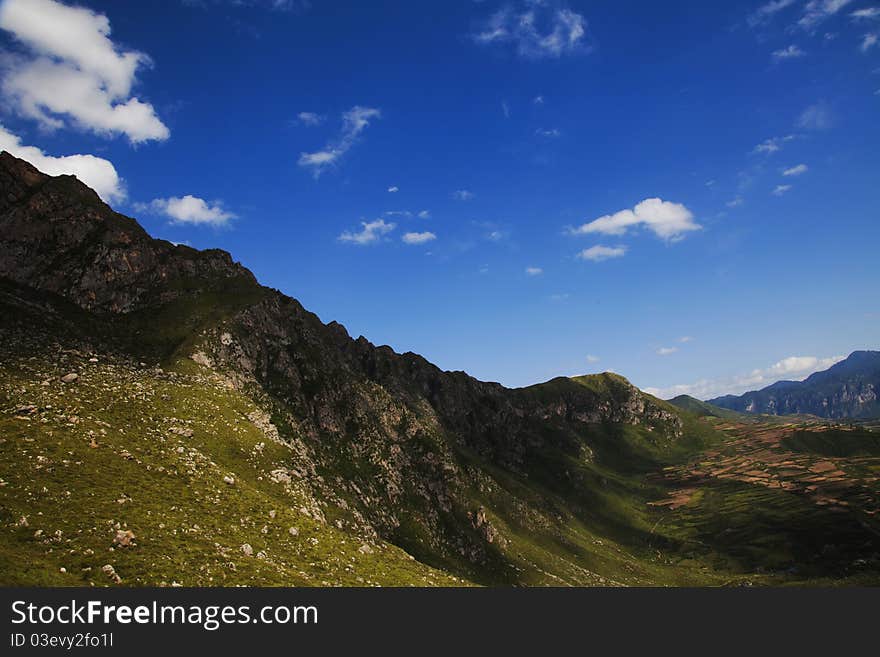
{"x": 124, "y": 538}
{"x": 27, "y": 409}
{"x": 110, "y": 571}
{"x": 229, "y": 481}
{"x": 70, "y": 378}
{"x": 293, "y": 531}
{"x": 365, "y": 549}
{"x": 182, "y": 431}
{"x": 247, "y": 550}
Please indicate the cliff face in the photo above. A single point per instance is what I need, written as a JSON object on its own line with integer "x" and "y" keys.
{"x": 848, "y": 389}
{"x": 395, "y": 446}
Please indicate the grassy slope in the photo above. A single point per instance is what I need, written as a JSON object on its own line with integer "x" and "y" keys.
{"x": 189, "y": 524}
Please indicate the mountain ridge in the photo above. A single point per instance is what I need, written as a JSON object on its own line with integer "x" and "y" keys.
{"x": 847, "y": 389}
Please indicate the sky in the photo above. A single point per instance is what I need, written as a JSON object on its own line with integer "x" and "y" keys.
{"x": 686, "y": 193}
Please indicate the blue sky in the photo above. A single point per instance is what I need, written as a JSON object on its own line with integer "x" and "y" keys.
{"x": 685, "y": 193}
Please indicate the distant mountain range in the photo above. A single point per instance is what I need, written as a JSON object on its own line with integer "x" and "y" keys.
{"x": 848, "y": 389}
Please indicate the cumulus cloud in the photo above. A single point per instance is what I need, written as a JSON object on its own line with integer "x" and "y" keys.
{"x": 667, "y": 220}
{"x": 309, "y": 118}
{"x": 418, "y": 238}
{"x": 71, "y": 70}
{"x": 462, "y": 195}
{"x": 765, "y": 12}
{"x": 666, "y": 351}
{"x": 371, "y": 232}
{"x": 868, "y": 42}
{"x": 534, "y": 271}
{"x": 191, "y": 210}
{"x": 792, "y": 368}
{"x": 790, "y": 52}
{"x": 536, "y": 30}
{"x": 424, "y": 214}
{"x": 354, "y": 122}
{"x": 796, "y": 170}
{"x": 781, "y": 189}
{"x": 599, "y": 253}
{"x": 96, "y": 172}
{"x": 393, "y": 189}
{"x": 816, "y": 11}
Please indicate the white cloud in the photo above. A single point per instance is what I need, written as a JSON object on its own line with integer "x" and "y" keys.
{"x": 505, "y": 109}
{"x": 393, "y": 189}
{"x": 666, "y": 351}
{"x": 592, "y": 359}
{"x": 599, "y": 253}
{"x": 735, "y": 203}
{"x": 686, "y": 338}
{"x": 536, "y": 30}
{"x": 534, "y": 271}
{"x": 792, "y": 368}
{"x": 191, "y": 210}
{"x": 869, "y": 13}
{"x": 790, "y": 52}
{"x": 765, "y": 12}
{"x": 371, "y": 232}
{"x": 550, "y": 134}
{"x": 424, "y": 214}
{"x": 817, "y": 11}
{"x": 538, "y": 100}
{"x": 418, "y": 238}
{"x": 462, "y": 195}
{"x": 667, "y": 220}
{"x": 772, "y": 145}
{"x": 73, "y": 70}
{"x": 309, "y": 118}
{"x": 354, "y": 121}
{"x": 96, "y": 172}
{"x": 815, "y": 117}
{"x": 781, "y": 189}
{"x": 868, "y": 42}
{"x": 796, "y": 170}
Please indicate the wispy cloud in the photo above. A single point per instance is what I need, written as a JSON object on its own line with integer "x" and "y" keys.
{"x": 592, "y": 359}
{"x": 552, "y": 133}
{"x": 354, "y": 122}
{"x": 686, "y": 338}
{"x": 418, "y": 238}
{"x": 772, "y": 145}
{"x": 781, "y": 189}
{"x": 796, "y": 170}
{"x": 868, "y": 42}
{"x": 309, "y": 118}
{"x": 667, "y": 220}
{"x": 735, "y": 203}
{"x": 816, "y": 117}
{"x": 534, "y": 271}
{"x": 666, "y": 351}
{"x": 817, "y": 11}
{"x": 537, "y": 29}
{"x": 789, "y": 52}
{"x": 767, "y": 11}
{"x": 867, "y": 14}
{"x": 793, "y": 367}
{"x": 370, "y": 233}
{"x": 462, "y": 195}
{"x": 72, "y": 71}
{"x": 599, "y": 253}
{"x": 393, "y": 189}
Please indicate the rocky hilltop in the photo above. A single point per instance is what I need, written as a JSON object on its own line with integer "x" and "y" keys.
{"x": 848, "y": 389}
